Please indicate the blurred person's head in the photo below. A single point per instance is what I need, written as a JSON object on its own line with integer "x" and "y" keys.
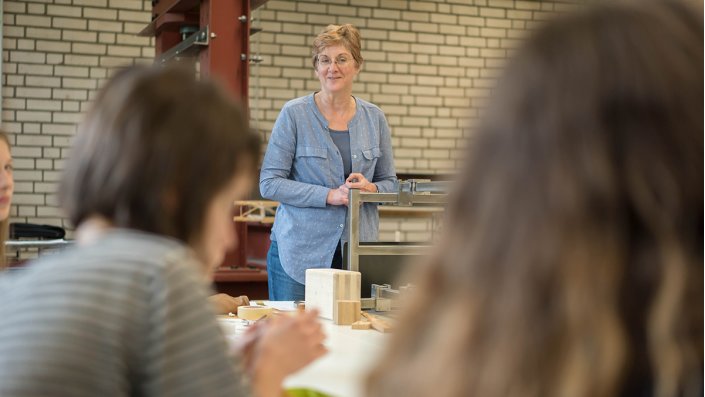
{"x": 162, "y": 153}
{"x": 572, "y": 260}
{"x": 7, "y": 187}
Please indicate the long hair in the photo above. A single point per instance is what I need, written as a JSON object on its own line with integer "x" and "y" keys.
{"x": 572, "y": 260}
{"x": 4, "y": 223}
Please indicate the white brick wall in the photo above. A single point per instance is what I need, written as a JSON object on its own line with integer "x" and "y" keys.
{"x": 428, "y": 65}
{"x": 56, "y": 53}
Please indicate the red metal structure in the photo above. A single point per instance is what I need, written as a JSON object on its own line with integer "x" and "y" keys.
{"x": 217, "y": 33}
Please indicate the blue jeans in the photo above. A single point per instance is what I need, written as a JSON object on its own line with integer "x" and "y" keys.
{"x": 281, "y": 286}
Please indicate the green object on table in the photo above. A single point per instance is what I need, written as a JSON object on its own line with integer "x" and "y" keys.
{"x": 302, "y": 392}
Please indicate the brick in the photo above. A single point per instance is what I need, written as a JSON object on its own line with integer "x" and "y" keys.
{"x": 53, "y": 46}
{"x": 69, "y": 23}
{"x": 105, "y": 26}
{"x": 493, "y": 32}
{"x": 80, "y": 60}
{"x": 93, "y": 3}
{"x": 527, "y": 5}
{"x": 60, "y": 129}
{"x": 33, "y": 20}
{"x": 54, "y": 59}
{"x": 36, "y": 9}
{"x": 14, "y": 7}
{"x": 63, "y": 11}
{"x": 71, "y": 71}
{"x": 45, "y": 70}
{"x": 128, "y": 4}
{"x": 36, "y": 104}
{"x": 133, "y": 16}
{"x": 80, "y": 95}
{"x": 33, "y": 116}
{"x": 27, "y": 92}
{"x": 381, "y": 13}
{"x": 415, "y": 16}
{"x": 125, "y": 51}
{"x": 33, "y": 140}
{"x": 464, "y": 10}
{"x": 342, "y": 10}
{"x": 27, "y": 57}
{"x": 85, "y": 48}
{"x": 402, "y": 36}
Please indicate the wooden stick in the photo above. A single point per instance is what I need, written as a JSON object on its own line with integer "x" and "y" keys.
{"x": 377, "y": 323}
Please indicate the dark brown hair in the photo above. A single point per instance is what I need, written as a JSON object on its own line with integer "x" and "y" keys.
{"x": 346, "y": 35}
{"x": 154, "y": 150}
{"x": 572, "y": 261}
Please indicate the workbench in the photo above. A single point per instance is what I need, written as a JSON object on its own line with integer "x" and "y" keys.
{"x": 343, "y": 370}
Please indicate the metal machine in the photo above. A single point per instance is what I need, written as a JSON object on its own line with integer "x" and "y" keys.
{"x": 410, "y": 193}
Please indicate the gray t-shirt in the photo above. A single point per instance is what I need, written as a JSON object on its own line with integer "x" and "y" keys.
{"x": 127, "y": 315}
{"x": 342, "y": 141}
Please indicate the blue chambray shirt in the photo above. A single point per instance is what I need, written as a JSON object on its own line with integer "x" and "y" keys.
{"x": 302, "y": 164}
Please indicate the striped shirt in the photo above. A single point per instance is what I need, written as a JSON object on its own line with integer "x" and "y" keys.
{"x": 127, "y": 315}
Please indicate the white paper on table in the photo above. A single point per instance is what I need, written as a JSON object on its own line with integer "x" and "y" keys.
{"x": 285, "y": 306}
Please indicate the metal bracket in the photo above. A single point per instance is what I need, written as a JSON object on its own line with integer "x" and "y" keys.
{"x": 406, "y": 194}
{"x": 189, "y": 47}
{"x": 384, "y": 298}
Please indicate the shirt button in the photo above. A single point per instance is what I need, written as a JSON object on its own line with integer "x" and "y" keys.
{"x": 341, "y": 225}
{"x": 354, "y": 156}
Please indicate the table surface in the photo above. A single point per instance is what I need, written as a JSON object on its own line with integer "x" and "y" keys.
{"x": 342, "y": 371}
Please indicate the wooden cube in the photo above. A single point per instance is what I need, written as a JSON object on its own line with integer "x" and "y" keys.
{"x": 361, "y": 325}
{"x": 324, "y": 287}
{"x": 347, "y": 312}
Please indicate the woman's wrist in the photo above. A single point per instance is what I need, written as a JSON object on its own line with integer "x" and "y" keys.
{"x": 267, "y": 382}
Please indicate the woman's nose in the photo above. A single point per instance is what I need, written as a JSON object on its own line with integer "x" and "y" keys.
{"x": 5, "y": 179}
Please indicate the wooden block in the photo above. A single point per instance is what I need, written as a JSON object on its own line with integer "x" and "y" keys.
{"x": 377, "y": 323}
{"x": 324, "y": 287}
{"x": 361, "y": 325}
{"x": 347, "y": 312}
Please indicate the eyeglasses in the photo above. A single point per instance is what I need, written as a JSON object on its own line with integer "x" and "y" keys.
{"x": 341, "y": 61}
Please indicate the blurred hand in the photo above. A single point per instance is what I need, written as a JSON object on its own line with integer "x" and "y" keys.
{"x": 338, "y": 196}
{"x": 224, "y": 303}
{"x": 358, "y": 181}
{"x": 281, "y": 346}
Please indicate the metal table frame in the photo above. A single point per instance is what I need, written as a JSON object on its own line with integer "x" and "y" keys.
{"x": 410, "y": 193}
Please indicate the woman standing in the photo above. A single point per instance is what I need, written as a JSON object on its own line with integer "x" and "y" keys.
{"x": 322, "y": 145}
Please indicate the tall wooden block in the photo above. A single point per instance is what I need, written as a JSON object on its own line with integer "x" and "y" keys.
{"x": 347, "y": 312}
{"x": 324, "y": 287}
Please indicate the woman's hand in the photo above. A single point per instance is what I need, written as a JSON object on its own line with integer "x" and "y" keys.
{"x": 282, "y": 346}
{"x": 224, "y": 303}
{"x": 338, "y": 196}
{"x": 358, "y": 181}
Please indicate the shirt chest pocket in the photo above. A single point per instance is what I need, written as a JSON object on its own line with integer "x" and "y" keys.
{"x": 311, "y": 165}
{"x": 372, "y": 153}
{"x": 369, "y": 161}
{"x": 311, "y": 151}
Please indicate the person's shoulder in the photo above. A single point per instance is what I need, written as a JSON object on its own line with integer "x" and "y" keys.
{"x": 297, "y": 103}
{"x": 369, "y": 107}
{"x": 119, "y": 251}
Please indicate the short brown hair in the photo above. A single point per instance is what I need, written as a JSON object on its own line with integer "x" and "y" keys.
{"x": 154, "y": 149}
{"x": 346, "y": 35}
